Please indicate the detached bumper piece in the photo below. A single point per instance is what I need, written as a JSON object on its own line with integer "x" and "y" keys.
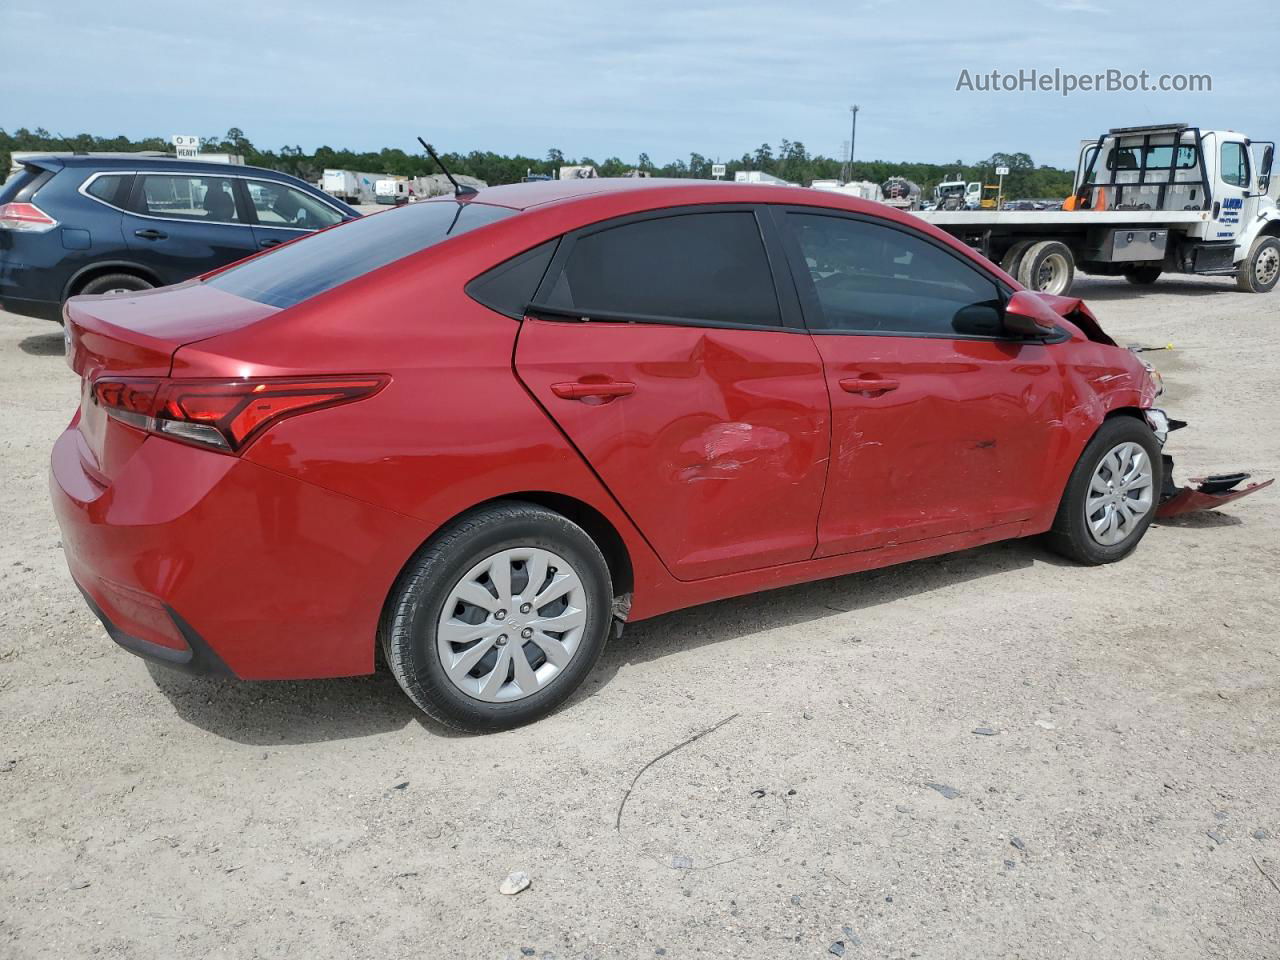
{"x": 1208, "y": 493}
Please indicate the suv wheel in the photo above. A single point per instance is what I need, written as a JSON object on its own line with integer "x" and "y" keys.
{"x": 115, "y": 283}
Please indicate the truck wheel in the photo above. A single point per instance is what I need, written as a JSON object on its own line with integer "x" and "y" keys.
{"x": 1012, "y": 259}
{"x": 1260, "y": 270}
{"x": 1143, "y": 276}
{"x": 1047, "y": 267}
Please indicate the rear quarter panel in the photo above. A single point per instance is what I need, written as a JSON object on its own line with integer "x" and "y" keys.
{"x": 452, "y": 429}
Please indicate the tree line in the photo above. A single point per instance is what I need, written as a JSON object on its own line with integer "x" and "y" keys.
{"x": 791, "y": 161}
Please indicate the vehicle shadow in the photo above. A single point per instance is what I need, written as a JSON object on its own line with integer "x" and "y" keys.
{"x": 290, "y": 712}
{"x": 1103, "y": 289}
{"x": 809, "y": 602}
{"x": 43, "y": 344}
{"x": 278, "y": 713}
{"x": 1201, "y": 520}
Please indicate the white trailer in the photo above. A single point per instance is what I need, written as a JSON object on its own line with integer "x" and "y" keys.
{"x": 862, "y": 189}
{"x": 351, "y": 186}
{"x": 391, "y": 190}
{"x": 1147, "y": 200}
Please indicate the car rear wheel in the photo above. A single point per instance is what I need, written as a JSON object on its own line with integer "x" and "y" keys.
{"x": 1112, "y": 495}
{"x": 115, "y": 283}
{"x": 499, "y": 617}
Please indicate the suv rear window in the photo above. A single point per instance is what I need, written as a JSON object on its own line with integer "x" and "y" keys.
{"x": 329, "y": 259}
{"x": 26, "y": 181}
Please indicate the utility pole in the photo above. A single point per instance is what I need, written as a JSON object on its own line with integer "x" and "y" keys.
{"x": 853, "y": 138}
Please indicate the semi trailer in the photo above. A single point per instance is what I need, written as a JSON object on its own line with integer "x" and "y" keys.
{"x": 1149, "y": 200}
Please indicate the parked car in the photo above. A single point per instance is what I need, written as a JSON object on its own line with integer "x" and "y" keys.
{"x": 483, "y": 433}
{"x": 91, "y": 224}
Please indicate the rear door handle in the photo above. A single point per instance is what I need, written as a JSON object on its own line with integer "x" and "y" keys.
{"x": 870, "y": 386}
{"x": 271, "y": 242}
{"x": 150, "y": 234}
{"x": 577, "y": 390}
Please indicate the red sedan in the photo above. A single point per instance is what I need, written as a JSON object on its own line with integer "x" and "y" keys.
{"x": 484, "y": 432}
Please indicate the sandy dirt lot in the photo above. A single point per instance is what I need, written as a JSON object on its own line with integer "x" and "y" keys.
{"x": 1127, "y": 805}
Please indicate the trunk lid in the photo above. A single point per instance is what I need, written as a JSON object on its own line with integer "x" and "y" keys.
{"x": 137, "y": 335}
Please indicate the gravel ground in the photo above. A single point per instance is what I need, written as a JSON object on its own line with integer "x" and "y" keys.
{"x": 990, "y": 754}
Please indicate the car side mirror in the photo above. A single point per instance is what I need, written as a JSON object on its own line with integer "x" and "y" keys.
{"x": 1027, "y": 315}
{"x": 1264, "y": 174}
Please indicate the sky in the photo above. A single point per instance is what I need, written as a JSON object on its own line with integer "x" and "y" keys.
{"x": 612, "y": 78}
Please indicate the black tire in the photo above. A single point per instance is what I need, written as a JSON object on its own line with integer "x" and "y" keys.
{"x": 114, "y": 283}
{"x": 1048, "y": 252}
{"x": 1012, "y": 259}
{"x": 1143, "y": 276}
{"x": 1262, "y": 260}
{"x": 1070, "y": 534}
{"x": 409, "y": 623}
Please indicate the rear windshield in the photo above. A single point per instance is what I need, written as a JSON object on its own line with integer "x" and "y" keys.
{"x": 24, "y": 177}
{"x": 321, "y": 262}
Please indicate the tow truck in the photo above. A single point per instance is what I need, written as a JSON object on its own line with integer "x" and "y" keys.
{"x": 1149, "y": 200}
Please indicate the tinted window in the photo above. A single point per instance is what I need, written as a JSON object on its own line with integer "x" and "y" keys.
{"x": 107, "y": 187}
{"x": 1235, "y": 165}
{"x": 279, "y": 205}
{"x": 186, "y": 197}
{"x": 509, "y": 287}
{"x": 1130, "y": 158}
{"x": 692, "y": 267}
{"x": 22, "y": 184}
{"x": 318, "y": 263}
{"x": 876, "y": 279}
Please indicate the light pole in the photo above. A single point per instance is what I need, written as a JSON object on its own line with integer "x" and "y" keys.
{"x": 853, "y": 138}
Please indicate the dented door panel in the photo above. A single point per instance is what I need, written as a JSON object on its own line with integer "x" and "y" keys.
{"x": 715, "y": 444}
{"x": 960, "y": 443}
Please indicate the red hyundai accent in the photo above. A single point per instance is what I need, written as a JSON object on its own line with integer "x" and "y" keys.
{"x": 483, "y": 432}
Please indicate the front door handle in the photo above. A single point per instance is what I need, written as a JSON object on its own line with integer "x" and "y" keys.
{"x": 868, "y": 386}
{"x": 150, "y": 234}
{"x": 270, "y": 242}
{"x": 606, "y": 391}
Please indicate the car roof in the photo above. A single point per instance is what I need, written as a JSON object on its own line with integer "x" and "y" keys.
{"x": 139, "y": 161}
{"x": 522, "y": 196}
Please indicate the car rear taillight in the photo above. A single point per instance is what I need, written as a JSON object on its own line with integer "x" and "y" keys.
{"x": 223, "y": 414}
{"x": 25, "y": 217}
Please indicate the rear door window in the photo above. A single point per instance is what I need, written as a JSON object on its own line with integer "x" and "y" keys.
{"x": 681, "y": 268}
{"x": 280, "y": 205}
{"x": 326, "y": 260}
{"x": 186, "y": 197}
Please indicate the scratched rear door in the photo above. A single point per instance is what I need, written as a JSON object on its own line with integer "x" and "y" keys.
{"x": 658, "y": 346}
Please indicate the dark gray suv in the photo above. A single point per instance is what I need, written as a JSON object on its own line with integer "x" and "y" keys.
{"x": 93, "y": 224}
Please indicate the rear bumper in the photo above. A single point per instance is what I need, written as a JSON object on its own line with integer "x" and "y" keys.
{"x": 198, "y": 657}
{"x": 210, "y": 563}
{"x": 41, "y": 309}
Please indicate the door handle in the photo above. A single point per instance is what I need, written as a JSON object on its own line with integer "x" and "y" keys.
{"x": 150, "y": 234}
{"x": 606, "y": 391}
{"x": 869, "y": 386}
{"x": 270, "y": 242}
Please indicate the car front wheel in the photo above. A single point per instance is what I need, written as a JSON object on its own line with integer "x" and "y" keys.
{"x": 497, "y": 620}
{"x": 1112, "y": 494}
